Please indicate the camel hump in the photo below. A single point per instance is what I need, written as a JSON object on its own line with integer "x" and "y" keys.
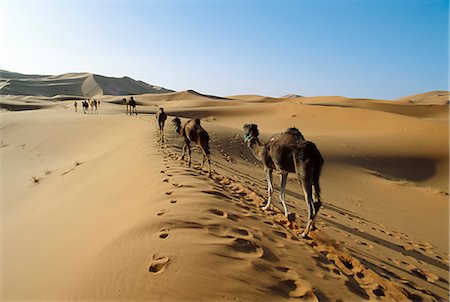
{"x": 295, "y": 132}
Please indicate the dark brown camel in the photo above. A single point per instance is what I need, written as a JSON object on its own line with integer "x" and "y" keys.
{"x": 161, "y": 117}
{"x": 85, "y": 106}
{"x": 191, "y": 131}
{"x": 289, "y": 152}
{"x": 132, "y": 104}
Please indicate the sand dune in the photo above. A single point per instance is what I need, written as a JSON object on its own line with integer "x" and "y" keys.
{"x": 96, "y": 207}
{"x": 73, "y": 84}
{"x": 429, "y": 98}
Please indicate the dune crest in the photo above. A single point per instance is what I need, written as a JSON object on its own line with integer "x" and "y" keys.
{"x": 73, "y": 84}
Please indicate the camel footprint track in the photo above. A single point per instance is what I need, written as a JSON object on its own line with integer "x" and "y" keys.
{"x": 241, "y": 246}
{"x": 158, "y": 264}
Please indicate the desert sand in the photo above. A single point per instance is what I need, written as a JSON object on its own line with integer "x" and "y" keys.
{"x": 96, "y": 207}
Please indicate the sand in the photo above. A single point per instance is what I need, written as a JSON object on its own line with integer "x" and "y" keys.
{"x": 96, "y": 207}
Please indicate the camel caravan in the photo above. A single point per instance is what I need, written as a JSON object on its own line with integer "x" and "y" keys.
{"x": 89, "y": 106}
{"x": 286, "y": 152}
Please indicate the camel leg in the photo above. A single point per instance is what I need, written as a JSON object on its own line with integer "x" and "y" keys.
{"x": 189, "y": 154}
{"x": 307, "y": 189}
{"x": 183, "y": 152}
{"x": 204, "y": 159}
{"x": 283, "y": 180}
{"x": 317, "y": 205}
{"x": 269, "y": 187}
{"x": 209, "y": 165}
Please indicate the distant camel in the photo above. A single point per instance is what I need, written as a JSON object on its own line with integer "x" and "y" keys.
{"x": 191, "y": 131}
{"x": 75, "y": 105}
{"x": 94, "y": 106}
{"x": 161, "y": 116}
{"x": 132, "y": 106}
{"x": 91, "y": 105}
{"x": 289, "y": 152}
{"x": 85, "y": 106}
{"x": 124, "y": 101}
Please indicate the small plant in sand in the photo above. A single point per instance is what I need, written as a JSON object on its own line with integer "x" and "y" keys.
{"x": 35, "y": 179}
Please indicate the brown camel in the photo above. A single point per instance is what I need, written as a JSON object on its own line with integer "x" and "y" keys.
{"x": 161, "y": 117}
{"x": 289, "y": 152}
{"x": 125, "y": 102}
{"x": 130, "y": 105}
{"x": 191, "y": 131}
{"x": 85, "y": 106}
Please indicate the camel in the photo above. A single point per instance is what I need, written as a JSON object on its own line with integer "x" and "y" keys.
{"x": 191, "y": 131}
{"x": 161, "y": 116}
{"x": 75, "y": 105}
{"x": 94, "y": 106}
{"x": 85, "y": 106}
{"x": 132, "y": 105}
{"x": 289, "y": 152}
{"x": 124, "y": 101}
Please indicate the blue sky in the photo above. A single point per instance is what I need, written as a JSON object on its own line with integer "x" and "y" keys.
{"x": 369, "y": 48}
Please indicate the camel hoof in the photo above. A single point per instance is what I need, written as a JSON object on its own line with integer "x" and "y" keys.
{"x": 305, "y": 235}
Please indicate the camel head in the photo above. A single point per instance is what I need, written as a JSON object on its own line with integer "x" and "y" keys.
{"x": 250, "y": 133}
{"x": 161, "y": 109}
{"x": 177, "y": 124}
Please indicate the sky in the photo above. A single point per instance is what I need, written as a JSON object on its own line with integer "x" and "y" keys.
{"x": 382, "y": 49}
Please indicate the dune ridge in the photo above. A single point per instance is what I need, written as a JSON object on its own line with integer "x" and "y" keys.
{"x": 74, "y": 84}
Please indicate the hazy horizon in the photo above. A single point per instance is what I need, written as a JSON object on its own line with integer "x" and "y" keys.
{"x": 383, "y": 49}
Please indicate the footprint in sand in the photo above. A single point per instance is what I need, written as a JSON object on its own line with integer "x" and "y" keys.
{"x": 430, "y": 277}
{"x": 247, "y": 247}
{"x": 297, "y": 289}
{"x": 169, "y": 193}
{"x": 162, "y": 212}
{"x": 241, "y": 231}
{"x": 163, "y": 233}
{"x": 158, "y": 264}
{"x": 281, "y": 234}
{"x": 379, "y": 291}
{"x": 165, "y": 180}
{"x": 173, "y": 201}
{"x": 218, "y": 212}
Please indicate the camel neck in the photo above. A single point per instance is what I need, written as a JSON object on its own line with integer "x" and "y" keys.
{"x": 178, "y": 129}
{"x": 257, "y": 148}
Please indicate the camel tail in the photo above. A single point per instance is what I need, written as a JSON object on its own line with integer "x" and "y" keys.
{"x": 318, "y": 161}
{"x": 204, "y": 138}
